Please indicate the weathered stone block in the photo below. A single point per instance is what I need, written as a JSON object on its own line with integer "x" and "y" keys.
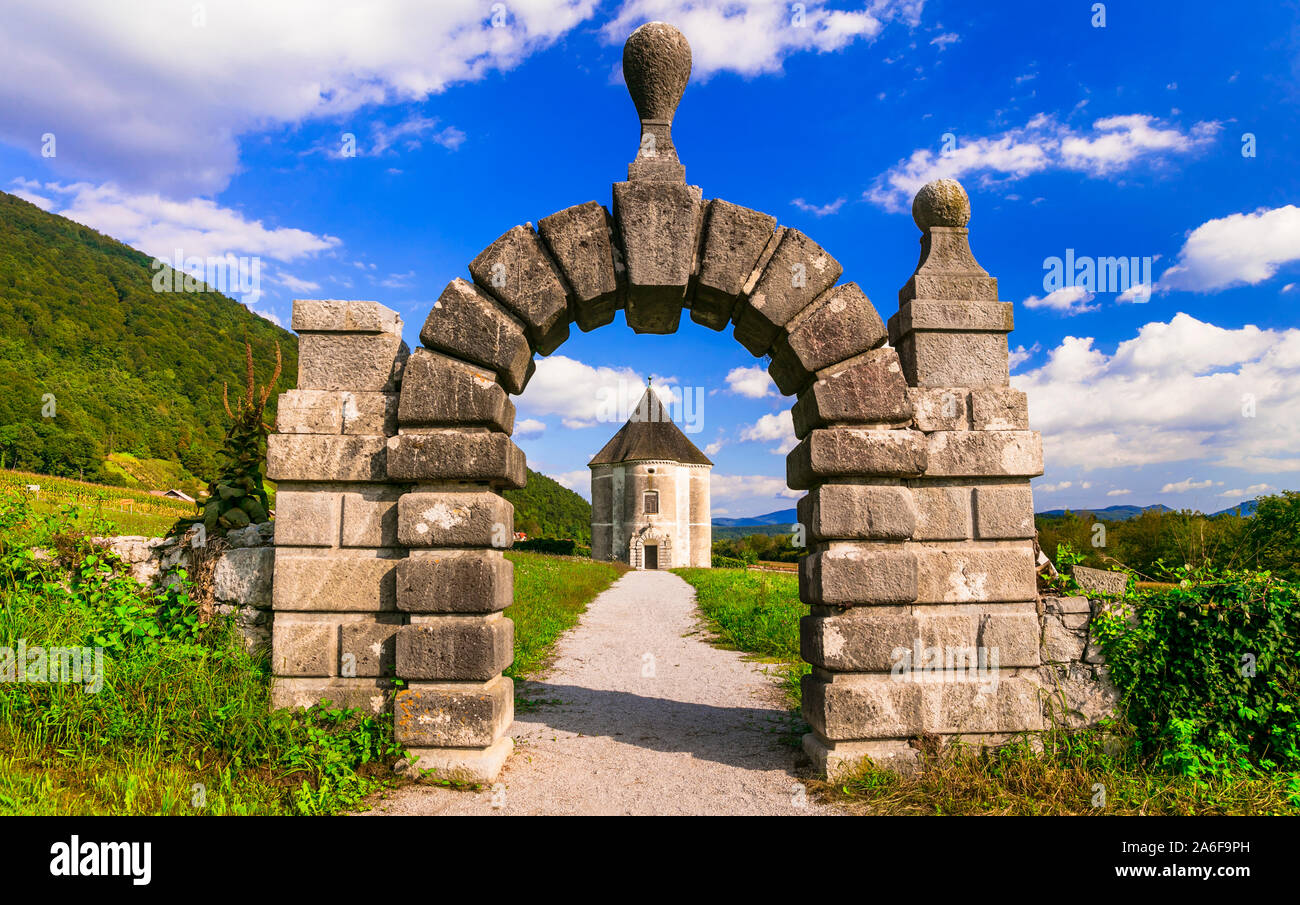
{"x": 858, "y": 575}
{"x": 999, "y": 409}
{"x": 867, "y": 389}
{"x": 466, "y": 581}
{"x": 350, "y": 361}
{"x": 439, "y": 390}
{"x": 954, "y": 359}
{"x": 579, "y": 241}
{"x": 305, "y": 648}
{"x": 370, "y": 517}
{"x": 845, "y": 451}
{"x": 369, "y": 648}
{"x": 951, "y": 317}
{"x": 981, "y": 453}
{"x": 659, "y": 225}
{"x": 454, "y": 715}
{"x": 243, "y": 577}
{"x": 373, "y": 414}
{"x": 858, "y": 511}
{"x": 455, "y": 519}
{"x": 1061, "y": 643}
{"x": 948, "y": 270}
{"x": 938, "y": 408}
{"x": 316, "y": 457}
{"x": 1004, "y": 512}
{"x": 1099, "y": 581}
{"x": 368, "y": 695}
{"x": 838, "y": 325}
{"x": 943, "y": 513}
{"x": 862, "y": 706}
{"x": 455, "y": 648}
{"x": 308, "y": 515}
{"x": 799, "y": 271}
{"x": 456, "y": 455}
{"x": 887, "y": 639}
{"x": 309, "y": 412}
{"x": 355, "y": 581}
{"x": 468, "y": 323}
{"x": 734, "y": 239}
{"x": 517, "y": 272}
{"x": 343, "y": 316}
{"x": 975, "y": 574}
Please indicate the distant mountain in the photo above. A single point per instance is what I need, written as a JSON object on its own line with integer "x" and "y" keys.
{"x": 782, "y": 517}
{"x": 1244, "y": 508}
{"x": 1111, "y": 513}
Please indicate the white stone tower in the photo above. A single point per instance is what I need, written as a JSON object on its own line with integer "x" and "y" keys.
{"x": 650, "y": 494}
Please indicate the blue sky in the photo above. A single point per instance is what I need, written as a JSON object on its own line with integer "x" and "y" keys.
{"x": 217, "y": 128}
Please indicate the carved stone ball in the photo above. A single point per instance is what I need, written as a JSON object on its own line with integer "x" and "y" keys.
{"x": 656, "y": 67}
{"x": 942, "y": 202}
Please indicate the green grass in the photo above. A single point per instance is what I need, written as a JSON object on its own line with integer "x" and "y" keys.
{"x": 756, "y": 612}
{"x": 551, "y": 593}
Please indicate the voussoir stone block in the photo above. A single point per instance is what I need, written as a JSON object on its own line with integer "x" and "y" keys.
{"x": 343, "y": 316}
{"x": 840, "y": 324}
{"x": 350, "y": 361}
{"x": 317, "y": 457}
{"x": 352, "y": 581}
{"x": 517, "y": 272}
{"x": 454, "y": 715}
{"x": 579, "y": 239}
{"x": 984, "y": 453}
{"x": 858, "y": 512}
{"x": 439, "y": 390}
{"x": 455, "y": 648}
{"x": 455, "y": 519}
{"x": 456, "y": 455}
{"x": 858, "y": 575}
{"x": 885, "y": 639}
{"x": 659, "y": 225}
{"x": 455, "y": 581}
{"x": 829, "y": 453}
{"x": 798, "y": 272}
{"x": 976, "y": 574}
{"x": 1004, "y": 512}
{"x": 866, "y": 389}
{"x": 469, "y": 324}
{"x": 734, "y": 239}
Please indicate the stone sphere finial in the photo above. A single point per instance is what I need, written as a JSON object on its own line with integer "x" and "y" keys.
{"x": 942, "y": 202}
{"x": 656, "y": 67}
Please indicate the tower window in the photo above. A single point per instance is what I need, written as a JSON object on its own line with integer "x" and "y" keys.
{"x": 650, "y": 502}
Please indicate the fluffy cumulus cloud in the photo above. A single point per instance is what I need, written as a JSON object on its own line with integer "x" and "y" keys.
{"x": 1240, "y": 249}
{"x": 155, "y": 94}
{"x": 584, "y": 395}
{"x": 777, "y": 428}
{"x": 1044, "y": 143}
{"x": 578, "y": 480}
{"x": 1067, "y": 300}
{"x": 1186, "y": 485}
{"x": 530, "y": 427}
{"x": 755, "y": 36}
{"x": 732, "y": 487}
{"x": 753, "y": 382}
{"x": 1181, "y": 391}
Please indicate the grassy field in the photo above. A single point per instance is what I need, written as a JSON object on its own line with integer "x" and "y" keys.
{"x": 121, "y": 510}
{"x": 181, "y": 724}
{"x": 757, "y": 612}
{"x": 1056, "y": 773}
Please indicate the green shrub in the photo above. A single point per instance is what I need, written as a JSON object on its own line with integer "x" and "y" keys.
{"x": 727, "y": 562}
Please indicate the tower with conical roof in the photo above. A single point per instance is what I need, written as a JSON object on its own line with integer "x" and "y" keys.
{"x": 650, "y": 494}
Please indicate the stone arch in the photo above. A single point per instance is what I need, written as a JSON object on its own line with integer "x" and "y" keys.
{"x": 648, "y": 535}
{"x": 915, "y": 454}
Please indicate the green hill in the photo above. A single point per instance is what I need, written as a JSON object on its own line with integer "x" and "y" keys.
{"x": 546, "y": 508}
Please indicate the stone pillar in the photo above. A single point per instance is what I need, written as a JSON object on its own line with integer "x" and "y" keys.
{"x": 336, "y": 549}
{"x": 922, "y": 580}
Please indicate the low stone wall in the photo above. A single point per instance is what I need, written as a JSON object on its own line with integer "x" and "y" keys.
{"x": 241, "y": 576}
{"x": 1073, "y": 671}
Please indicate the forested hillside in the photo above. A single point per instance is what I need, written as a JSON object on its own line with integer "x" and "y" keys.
{"x": 129, "y": 370}
{"x": 546, "y": 508}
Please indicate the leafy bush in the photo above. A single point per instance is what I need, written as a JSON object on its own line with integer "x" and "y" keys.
{"x": 1209, "y": 671}
{"x": 727, "y": 562}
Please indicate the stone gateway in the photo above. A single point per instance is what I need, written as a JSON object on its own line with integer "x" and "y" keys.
{"x": 914, "y": 452}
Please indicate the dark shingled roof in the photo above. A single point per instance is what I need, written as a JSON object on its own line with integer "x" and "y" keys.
{"x": 649, "y": 434}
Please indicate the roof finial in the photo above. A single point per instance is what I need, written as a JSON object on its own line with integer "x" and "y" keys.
{"x": 656, "y": 67}
{"x": 647, "y": 380}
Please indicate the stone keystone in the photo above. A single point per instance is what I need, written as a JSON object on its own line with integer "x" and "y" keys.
{"x": 468, "y": 323}
{"x": 516, "y": 271}
{"x": 659, "y": 224}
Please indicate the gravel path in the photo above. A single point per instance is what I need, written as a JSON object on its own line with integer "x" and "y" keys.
{"x": 640, "y": 716}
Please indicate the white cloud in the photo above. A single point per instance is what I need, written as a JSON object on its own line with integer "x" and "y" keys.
{"x": 578, "y": 480}
{"x": 1118, "y": 492}
{"x": 1044, "y": 143}
{"x": 1067, "y": 300}
{"x": 777, "y": 428}
{"x": 295, "y": 285}
{"x": 1182, "y": 391}
{"x": 27, "y": 189}
{"x": 411, "y": 133}
{"x": 734, "y": 487}
{"x": 943, "y": 40}
{"x": 1019, "y": 355}
{"x": 1235, "y": 250}
{"x": 1053, "y": 488}
{"x": 819, "y": 210}
{"x": 715, "y": 447}
{"x": 529, "y": 427}
{"x": 755, "y": 36}
{"x": 584, "y": 395}
{"x": 752, "y": 382}
{"x": 1185, "y": 485}
{"x": 1138, "y": 294}
{"x": 1250, "y": 492}
{"x": 139, "y": 94}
